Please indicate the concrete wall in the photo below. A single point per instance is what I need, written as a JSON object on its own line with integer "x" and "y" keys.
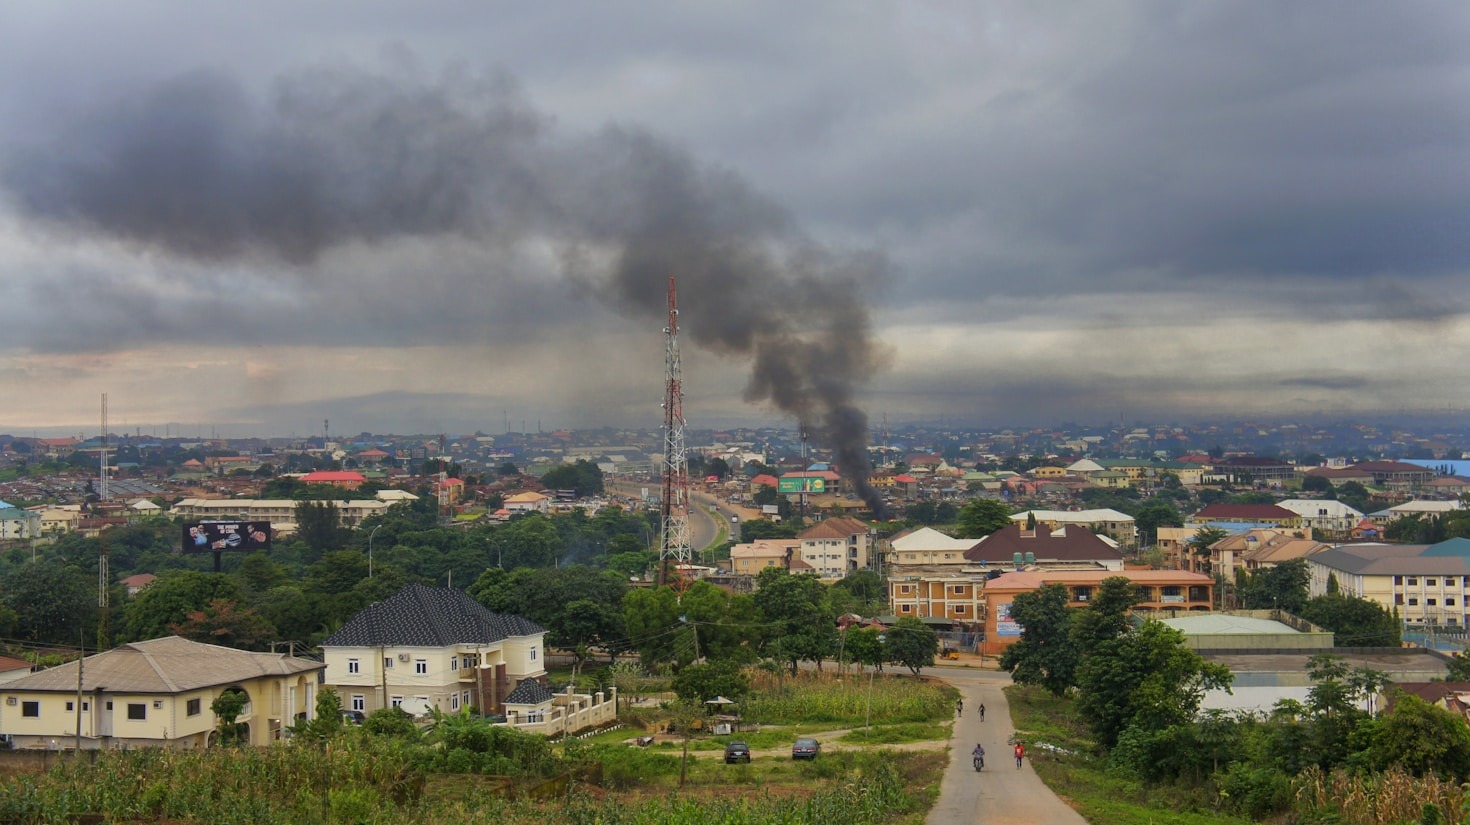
{"x": 573, "y": 713}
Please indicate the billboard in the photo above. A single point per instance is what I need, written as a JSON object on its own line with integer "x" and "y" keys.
{"x": 1004, "y": 624}
{"x": 801, "y": 484}
{"x": 217, "y": 536}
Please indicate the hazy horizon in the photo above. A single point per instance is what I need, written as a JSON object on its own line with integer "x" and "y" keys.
{"x": 441, "y": 217}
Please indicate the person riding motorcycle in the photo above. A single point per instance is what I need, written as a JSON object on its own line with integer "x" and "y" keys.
{"x": 978, "y": 756}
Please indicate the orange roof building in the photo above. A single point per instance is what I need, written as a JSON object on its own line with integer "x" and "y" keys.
{"x": 1164, "y": 589}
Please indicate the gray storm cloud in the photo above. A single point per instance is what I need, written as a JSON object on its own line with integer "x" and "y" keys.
{"x": 199, "y": 169}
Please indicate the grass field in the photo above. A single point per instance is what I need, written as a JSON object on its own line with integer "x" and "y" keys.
{"x": 368, "y": 780}
{"x": 1077, "y": 773}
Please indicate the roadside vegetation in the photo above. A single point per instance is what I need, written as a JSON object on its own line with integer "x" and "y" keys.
{"x": 1109, "y": 708}
{"x": 462, "y": 769}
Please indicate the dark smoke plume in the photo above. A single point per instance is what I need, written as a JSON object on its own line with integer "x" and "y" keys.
{"x": 198, "y": 168}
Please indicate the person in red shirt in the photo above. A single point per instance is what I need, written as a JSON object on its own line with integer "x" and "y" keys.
{"x": 1020, "y": 753}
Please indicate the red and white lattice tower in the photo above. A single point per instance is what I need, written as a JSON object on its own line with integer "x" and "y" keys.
{"x": 673, "y": 548}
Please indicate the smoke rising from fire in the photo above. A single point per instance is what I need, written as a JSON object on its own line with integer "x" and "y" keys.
{"x": 200, "y": 168}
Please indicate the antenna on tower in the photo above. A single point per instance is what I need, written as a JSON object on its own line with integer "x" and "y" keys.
{"x": 674, "y": 540}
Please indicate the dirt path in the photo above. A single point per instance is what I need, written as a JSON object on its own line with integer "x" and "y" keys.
{"x": 1000, "y": 794}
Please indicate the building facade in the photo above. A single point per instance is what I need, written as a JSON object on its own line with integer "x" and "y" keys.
{"x": 156, "y": 693}
{"x": 1170, "y": 590}
{"x": 434, "y": 647}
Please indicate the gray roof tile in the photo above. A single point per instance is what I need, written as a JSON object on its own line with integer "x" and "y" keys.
{"x": 419, "y": 616}
{"x": 529, "y": 692}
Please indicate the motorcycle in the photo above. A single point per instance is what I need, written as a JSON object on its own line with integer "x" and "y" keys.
{"x": 979, "y": 762}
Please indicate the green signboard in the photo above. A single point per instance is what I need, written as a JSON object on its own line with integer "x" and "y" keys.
{"x": 804, "y": 484}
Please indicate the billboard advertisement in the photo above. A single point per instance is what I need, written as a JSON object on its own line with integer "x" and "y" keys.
{"x": 802, "y": 484}
{"x": 1004, "y": 624}
{"x": 216, "y": 536}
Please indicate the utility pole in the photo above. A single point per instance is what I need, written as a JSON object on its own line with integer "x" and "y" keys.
{"x": 81, "y": 657}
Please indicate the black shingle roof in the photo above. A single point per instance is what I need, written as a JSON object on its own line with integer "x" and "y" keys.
{"x": 419, "y": 616}
{"x": 529, "y": 692}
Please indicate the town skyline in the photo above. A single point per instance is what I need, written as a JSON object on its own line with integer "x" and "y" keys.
{"x": 253, "y": 219}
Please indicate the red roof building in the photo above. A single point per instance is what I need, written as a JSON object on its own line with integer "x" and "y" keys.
{"x": 346, "y": 479}
{"x": 1263, "y": 514}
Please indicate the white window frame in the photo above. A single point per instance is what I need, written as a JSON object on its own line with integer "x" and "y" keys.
{"x": 354, "y": 666}
{"x": 421, "y": 667}
{"x": 359, "y": 702}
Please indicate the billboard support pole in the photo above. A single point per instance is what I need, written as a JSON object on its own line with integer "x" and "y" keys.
{"x": 216, "y": 561}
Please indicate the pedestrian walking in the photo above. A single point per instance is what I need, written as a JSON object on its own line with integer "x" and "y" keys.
{"x": 959, "y": 707}
{"x": 982, "y": 711}
{"x": 1020, "y": 754}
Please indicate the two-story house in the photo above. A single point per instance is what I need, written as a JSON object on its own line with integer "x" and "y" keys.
{"x": 156, "y": 693}
{"x": 432, "y": 647}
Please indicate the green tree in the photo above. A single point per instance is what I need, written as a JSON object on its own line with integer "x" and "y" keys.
{"x": 227, "y": 708}
{"x": 52, "y": 602}
{"x": 1459, "y": 667}
{"x": 1354, "y": 621}
{"x": 169, "y": 601}
{"x": 527, "y": 541}
{"x": 1425, "y": 739}
{"x": 1153, "y": 515}
{"x": 759, "y": 528}
{"x": 911, "y": 643}
{"x": 861, "y": 592}
{"x": 258, "y": 573}
{"x": 1317, "y": 484}
{"x": 1282, "y": 587}
{"x": 1146, "y": 678}
{"x": 981, "y": 517}
{"x": 1046, "y": 654}
{"x": 319, "y": 525}
{"x": 1203, "y": 538}
{"x": 719, "y": 468}
{"x": 650, "y": 617}
{"x": 920, "y": 512}
{"x": 1354, "y": 495}
{"x": 223, "y": 622}
{"x": 1106, "y": 614}
{"x": 795, "y": 607}
{"x": 391, "y": 722}
{"x": 328, "y": 721}
{"x": 583, "y": 477}
{"x": 864, "y": 645}
{"x": 725, "y": 627}
{"x": 700, "y": 683}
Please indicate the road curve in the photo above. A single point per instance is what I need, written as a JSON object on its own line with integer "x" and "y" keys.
{"x": 1000, "y": 794}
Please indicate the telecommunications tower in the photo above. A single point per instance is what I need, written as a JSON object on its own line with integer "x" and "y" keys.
{"x": 104, "y": 572}
{"x": 673, "y": 548}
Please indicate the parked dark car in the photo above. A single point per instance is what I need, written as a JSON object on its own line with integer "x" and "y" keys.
{"x": 353, "y": 717}
{"x": 737, "y": 752}
{"x": 806, "y": 748}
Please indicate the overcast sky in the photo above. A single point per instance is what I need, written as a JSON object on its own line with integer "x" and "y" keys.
{"x": 245, "y": 218}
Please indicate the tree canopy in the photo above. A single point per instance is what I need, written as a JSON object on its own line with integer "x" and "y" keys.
{"x": 981, "y": 517}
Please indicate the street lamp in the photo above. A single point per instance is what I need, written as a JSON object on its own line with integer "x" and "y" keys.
{"x": 370, "y": 549}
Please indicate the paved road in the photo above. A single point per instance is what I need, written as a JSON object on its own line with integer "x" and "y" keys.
{"x": 1000, "y": 794}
